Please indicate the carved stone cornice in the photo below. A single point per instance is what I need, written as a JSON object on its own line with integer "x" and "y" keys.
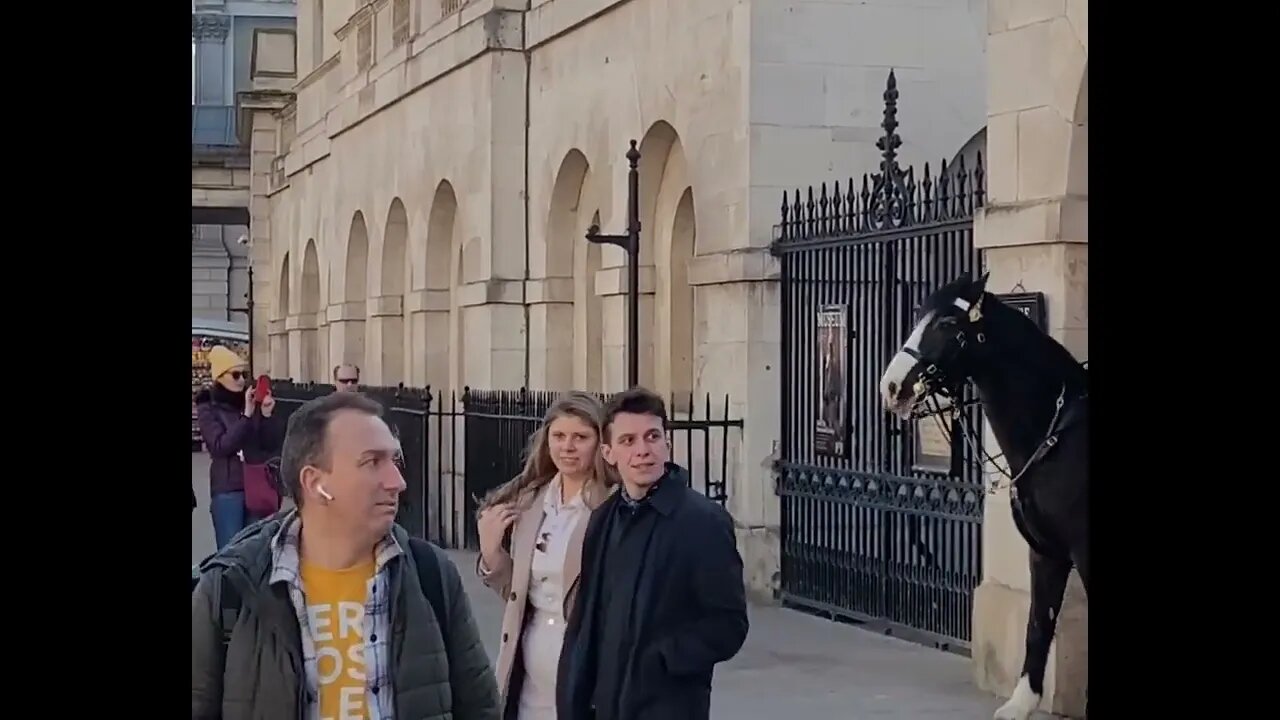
{"x": 210, "y": 27}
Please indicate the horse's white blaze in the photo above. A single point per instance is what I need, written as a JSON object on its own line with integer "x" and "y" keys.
{"x": 1021, "y": 704}
{"x": 900, "y": 366}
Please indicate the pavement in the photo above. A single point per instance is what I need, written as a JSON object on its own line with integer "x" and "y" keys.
{"x": 793, "y": 666}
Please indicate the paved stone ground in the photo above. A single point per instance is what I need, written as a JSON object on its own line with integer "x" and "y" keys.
{"x": 793, "y": 666}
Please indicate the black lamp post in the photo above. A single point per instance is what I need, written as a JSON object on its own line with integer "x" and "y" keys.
{"x": 631, "y": 244}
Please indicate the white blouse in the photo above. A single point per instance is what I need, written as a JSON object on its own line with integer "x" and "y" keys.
{"x": 544, "y": 628}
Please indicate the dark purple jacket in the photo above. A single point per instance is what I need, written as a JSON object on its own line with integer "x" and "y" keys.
{"x": 226, "y": 431}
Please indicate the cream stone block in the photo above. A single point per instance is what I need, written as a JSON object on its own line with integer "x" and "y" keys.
{"x": 761, "y": 550}
{"x": 1078, "y": 14}
{"x": 1033, "y": 223}
{"x": 734, "y": 266}
{"x": 1066, "y": 66}
{"x": 1074, "y": 222}
{"x": 347, "y": 343}
{"x": 1027, "y": 12}
{"x": 346, "y": 311}
{"x": 998, "y": 15}
{"x": 1002, "y": 158}
{"x": 277, "y": 327}
{"x": 1076, "y": 341}
{"x": 386, "y": 354}
{"x": 613, "y": 281}
{"x": 999, "y": 641}
{"x": 1059, "y": 270}
{"x": 427, "y": 301}
{"x": 302, "y": 321}
{"x": 551, "y": 346}
{"x": 1018, "y": 69}
{"x": 279, "y": 361}
{"x": 430, "y": 348}
{"x": 386, "y": 306}
{"x": 614, "y": 341}
{"x": 1044, "y": 141}
{"x": 549, "y": 290}
{"x": 491, "y": 291}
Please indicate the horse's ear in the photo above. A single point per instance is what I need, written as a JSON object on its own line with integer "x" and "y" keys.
{"x": 979, "y": 286}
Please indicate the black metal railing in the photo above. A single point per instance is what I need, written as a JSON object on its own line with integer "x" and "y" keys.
{"x": 457, "y": 449}
{"x": 881, "y": 521}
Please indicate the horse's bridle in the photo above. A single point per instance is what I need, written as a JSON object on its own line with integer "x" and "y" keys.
{"x": 934, "y": 381}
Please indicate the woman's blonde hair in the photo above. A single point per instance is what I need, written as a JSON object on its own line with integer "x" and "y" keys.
{"x": 540, "y": 468}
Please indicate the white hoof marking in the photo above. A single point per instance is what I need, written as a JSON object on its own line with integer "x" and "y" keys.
{"x": 1021, "y": 704}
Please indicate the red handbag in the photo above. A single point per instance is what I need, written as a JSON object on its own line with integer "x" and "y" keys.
{"x": 260, "y": 495}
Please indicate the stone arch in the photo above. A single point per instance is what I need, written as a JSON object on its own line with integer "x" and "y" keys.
{"x": 308, "y": 351}
{"x": 346, "y": 321}
{"x": 1078, "y": 154}
{"x": 679, "y": 300}
{"x": 554, "y": 318}
{"x": 388, "y": 313}
{"x": 437, "y": 329}
{"x": 667, "y": 209}
{"x": 588, "y": 360}
{"x": 279, "y": 337}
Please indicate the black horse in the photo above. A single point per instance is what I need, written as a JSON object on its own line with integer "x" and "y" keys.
{"x": 1035, "y": 395}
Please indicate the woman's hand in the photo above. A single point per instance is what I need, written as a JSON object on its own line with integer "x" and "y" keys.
{"x": 268, "y": 405}
{"x": 248, "y": 402}
{"x": 493, "y": 523}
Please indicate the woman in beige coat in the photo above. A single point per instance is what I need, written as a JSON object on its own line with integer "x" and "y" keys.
{"x": 531, "y": 532}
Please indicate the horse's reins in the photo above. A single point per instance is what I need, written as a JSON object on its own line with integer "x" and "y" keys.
{"x": 935, "y": 384}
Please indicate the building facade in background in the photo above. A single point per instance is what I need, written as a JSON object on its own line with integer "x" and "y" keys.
{"x": 420, "y": 194}
{"x": 222, "y": 43}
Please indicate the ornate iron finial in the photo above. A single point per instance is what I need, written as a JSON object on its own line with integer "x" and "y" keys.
{"x": 890, "y": 142}
{"x": 633, "y": 155}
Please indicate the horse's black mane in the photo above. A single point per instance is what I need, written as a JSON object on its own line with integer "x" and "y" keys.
{"x": 1042, "y": 349}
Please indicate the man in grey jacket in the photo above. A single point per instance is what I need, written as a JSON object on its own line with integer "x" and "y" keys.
{"x": 330, "y": 610}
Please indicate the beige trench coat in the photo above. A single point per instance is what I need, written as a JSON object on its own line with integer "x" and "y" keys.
{"x": 510, "y": 579}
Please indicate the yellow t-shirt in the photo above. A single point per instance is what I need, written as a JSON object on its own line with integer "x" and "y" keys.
{"x": 335, "y": 613}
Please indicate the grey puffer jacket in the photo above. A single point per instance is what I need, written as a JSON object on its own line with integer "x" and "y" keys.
{"x": 263, "y": 677}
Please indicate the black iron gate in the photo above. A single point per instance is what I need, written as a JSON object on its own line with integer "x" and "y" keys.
{"x": 881, "y": 519}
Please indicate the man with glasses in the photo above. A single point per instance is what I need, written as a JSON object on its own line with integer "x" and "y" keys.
{"x": 346, "y": 377}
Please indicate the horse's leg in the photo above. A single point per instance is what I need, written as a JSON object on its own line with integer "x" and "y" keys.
{"x": 1048, "y": 582}
{"x": 1080, "y": 556}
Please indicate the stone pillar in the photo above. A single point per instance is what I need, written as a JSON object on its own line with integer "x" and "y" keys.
{"x": 278, "y": 345}
{"x": 305, "y": 357}
{"x": 737, "y": 345}
{"x": 347, "y": 337}
{"x": 429, "y": 339}
{"x": 551, "y": 324}
{"x": 611, "y": 285}
{"x": 1034, "y": 232}
{"x": 385, "y": 338}
{"x": 264, "y": 126}
{"x": 210, "y": 34}
{"x": 492, "y": 331}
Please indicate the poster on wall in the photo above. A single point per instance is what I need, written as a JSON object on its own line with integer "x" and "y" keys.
{"x": 831, "y": 433}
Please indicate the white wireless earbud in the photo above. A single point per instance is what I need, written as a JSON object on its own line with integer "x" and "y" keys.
{"x": 323, "y": 493}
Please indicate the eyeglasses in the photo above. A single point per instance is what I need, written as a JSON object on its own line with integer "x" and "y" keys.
{"x": 348, "y": 381}
{"x": 238, "y": 374}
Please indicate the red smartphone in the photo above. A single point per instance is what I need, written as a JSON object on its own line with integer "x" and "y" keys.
{"x": 263, "y": 389}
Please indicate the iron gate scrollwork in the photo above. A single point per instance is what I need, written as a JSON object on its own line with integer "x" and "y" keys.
{"x": 870, "y": 532}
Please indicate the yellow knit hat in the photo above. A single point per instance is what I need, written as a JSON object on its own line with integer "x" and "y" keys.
{"x": 223, "y": 359}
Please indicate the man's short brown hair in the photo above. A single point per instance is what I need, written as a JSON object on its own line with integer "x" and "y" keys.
{"x": 637, "y": 401}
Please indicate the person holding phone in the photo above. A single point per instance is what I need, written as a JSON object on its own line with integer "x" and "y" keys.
{"x": 531, "y": 545}
{"x": 237, "y": 428}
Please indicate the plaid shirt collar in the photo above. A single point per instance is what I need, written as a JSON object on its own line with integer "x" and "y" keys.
{"x": 286, "y": 563}
{"x": 286, "y": 568}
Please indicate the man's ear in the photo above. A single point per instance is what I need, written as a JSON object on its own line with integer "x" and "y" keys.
{"x": 606, "y": 451}
{"x": 308, "y": 479}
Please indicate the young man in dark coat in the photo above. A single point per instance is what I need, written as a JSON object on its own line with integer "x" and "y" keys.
{"x": 662, "y": 597}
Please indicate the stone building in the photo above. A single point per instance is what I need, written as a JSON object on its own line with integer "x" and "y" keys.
{"x": 421, "y": 193}
{"x": 223, "y": 38}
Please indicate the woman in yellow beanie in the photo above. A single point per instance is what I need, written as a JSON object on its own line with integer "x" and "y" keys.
{"x": 236, "y": 428}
